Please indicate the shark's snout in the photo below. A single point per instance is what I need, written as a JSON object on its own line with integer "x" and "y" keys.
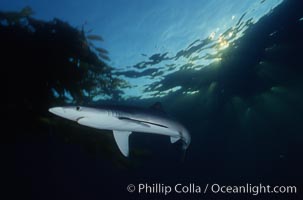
{"x": 57, "y": 110}
{"x": 71, "y": 113}
{"x": 67, "y": 113}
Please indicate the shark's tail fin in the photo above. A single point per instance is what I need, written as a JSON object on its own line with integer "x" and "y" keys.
{"x": 184, "y": 151}
{"x": 183, "y": 155}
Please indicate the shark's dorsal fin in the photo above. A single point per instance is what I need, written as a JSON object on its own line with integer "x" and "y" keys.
{"x": 157, "y": 106}
{"x": 122, "y": 138}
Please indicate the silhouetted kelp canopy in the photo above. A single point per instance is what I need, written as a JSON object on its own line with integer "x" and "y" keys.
{"x": 48, "y": 62}
{"x": 51, "y": 63}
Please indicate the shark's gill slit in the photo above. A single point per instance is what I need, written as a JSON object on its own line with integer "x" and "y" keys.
{"x": 79, "y": 118}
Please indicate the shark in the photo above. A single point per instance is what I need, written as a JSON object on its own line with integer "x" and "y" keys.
{"x": 124, "y": 120}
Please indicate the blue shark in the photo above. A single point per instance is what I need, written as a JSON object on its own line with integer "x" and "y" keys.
{"x": 123, "y": 121}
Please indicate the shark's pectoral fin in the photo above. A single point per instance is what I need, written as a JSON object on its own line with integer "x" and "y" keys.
{"x": 121, "y": 138}
{"x": 174, "y": 139}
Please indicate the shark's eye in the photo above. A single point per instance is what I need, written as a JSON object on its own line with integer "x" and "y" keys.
{"x": 78, "y": 108}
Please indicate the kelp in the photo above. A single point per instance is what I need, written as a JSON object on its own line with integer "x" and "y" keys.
{"x": 46, "y": 64}
{"x": 94, "y": 37}
{"x": 49, "y": 62}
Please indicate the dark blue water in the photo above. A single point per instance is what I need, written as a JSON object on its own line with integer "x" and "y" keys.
{"x": 246, "y": 125}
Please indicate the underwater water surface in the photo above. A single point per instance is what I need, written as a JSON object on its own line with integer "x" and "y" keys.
{"x": 229, "y": 71}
